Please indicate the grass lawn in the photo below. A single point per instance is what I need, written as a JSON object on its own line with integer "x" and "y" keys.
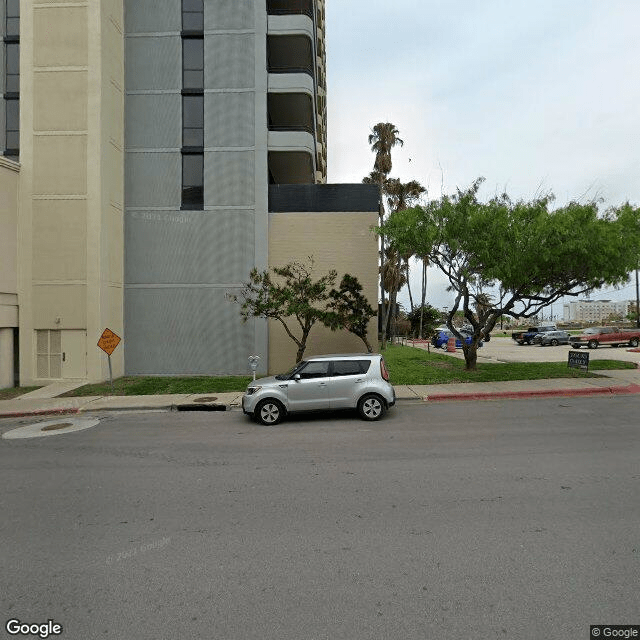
{"x": 15, "y": 392}
{"x": 408, "y": 365}
{"x": 151, "y": 385}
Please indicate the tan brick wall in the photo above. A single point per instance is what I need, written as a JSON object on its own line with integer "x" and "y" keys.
{"x": 340, "y": 241}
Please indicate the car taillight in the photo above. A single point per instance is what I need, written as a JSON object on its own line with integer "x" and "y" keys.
{"x": 383, "y": 370}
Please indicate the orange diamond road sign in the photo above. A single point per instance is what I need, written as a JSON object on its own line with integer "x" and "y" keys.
{"x": 108, "y": 341}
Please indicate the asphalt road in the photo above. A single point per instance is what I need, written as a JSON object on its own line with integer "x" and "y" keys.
{"x": 513, "y": 519}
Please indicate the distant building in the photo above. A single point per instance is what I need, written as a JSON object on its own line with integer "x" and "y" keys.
{"x": 595, "y": 311}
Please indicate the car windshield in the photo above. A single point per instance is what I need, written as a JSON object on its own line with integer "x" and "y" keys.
{"x": 292, "y": 372}
{"x": 590, "y": 331}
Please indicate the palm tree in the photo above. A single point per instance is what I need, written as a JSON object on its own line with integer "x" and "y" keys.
{"x": 383, "y": 137}
{"x": 402, "y": 195}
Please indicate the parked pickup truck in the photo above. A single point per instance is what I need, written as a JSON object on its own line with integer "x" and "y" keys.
{"x": 596, "y": 336}
{"x": 526, "y": 337}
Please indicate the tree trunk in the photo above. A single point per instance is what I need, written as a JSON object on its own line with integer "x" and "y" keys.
{"x": 470, "y": 355}
{"x": 409, "y": 286}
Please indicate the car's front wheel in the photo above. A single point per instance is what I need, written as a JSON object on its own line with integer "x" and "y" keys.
{"x": 269, "y": 412}
{"x": 371, "y": 407}
{"x": 554, "y": 343}
{"x": 633, "y": 342}
{"x": 593, "y": 344}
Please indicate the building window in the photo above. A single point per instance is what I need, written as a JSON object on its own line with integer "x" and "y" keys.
{"x": 192, "y": 180}
{"x": 192, "y": 15}
{"x": 12, "y": 77}
{"x": 193, "y": 63}
{"x": 193, "y": 104}
{"x": 193, "y": 120}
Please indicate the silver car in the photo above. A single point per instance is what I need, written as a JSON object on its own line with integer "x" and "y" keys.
{"x": 552, "y": 338}
{"x": 338, "y": 381}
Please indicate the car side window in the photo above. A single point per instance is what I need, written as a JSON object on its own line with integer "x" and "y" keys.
{"x": 315, "y": 370}
{"x": 350, "y": 367}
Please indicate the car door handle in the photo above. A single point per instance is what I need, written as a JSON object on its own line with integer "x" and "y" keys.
{"x": 359, "y": 380}
{"x": 323, "y": 384}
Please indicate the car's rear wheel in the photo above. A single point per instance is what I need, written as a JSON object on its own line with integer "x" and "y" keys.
{"x": 634, "y": 342}
{"x": 593, "y": 344}
{"x": 269, "y": 412}
{"x": 371, "y": 407}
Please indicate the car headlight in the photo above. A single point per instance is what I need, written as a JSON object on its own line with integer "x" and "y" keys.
{"x": 252, "y": 390}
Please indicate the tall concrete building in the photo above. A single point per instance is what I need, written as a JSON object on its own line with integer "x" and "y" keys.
{"x": 159, "y": 150}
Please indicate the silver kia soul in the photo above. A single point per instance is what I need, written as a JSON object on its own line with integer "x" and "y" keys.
{"x": 343, "y": 381}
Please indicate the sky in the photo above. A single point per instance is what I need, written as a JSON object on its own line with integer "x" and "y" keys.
{"x": 533, "y": 96}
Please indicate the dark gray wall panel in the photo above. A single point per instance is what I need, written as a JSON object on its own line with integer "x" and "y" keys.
{"x": 185, "y": 331}
{"x": 153, "y": 121}
{"x": 210, "y": 247}
{"x": 229, "y": 178}
{"x": 323, "y": 197}
{"x": 229, "y": 14}
{"x": 152, "y": 16}
{"x": 153, "y": 179}
{"x": 229, "y": 61}
{"x": 230, "y": 119}
{"x": 153, "y": 63}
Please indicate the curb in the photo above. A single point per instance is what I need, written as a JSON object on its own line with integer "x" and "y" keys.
{"x": 434, "y": 397}
{"x": 599, "y": 391}
{"x": 40, "y": 412}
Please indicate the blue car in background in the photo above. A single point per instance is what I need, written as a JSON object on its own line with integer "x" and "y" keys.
{"x": 441, "y": 338}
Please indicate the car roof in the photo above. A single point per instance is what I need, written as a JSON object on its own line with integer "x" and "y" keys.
{"x": 332, "y": 356}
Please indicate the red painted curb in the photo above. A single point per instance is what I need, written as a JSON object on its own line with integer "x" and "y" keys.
{"x": 632, "y": 388}
{"x": 42, "y": 412}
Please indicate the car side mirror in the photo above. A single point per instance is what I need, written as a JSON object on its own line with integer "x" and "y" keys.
{"x": 296, "y": 377}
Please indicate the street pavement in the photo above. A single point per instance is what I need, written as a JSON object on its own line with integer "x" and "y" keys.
{"x": 517, "y": 520}
{"x": 613, "y": 382}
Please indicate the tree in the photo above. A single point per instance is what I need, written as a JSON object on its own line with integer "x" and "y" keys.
{"x": 424, "y": 320}
{"x": 383, "y": 137}
{"x": 294, "y": 298}
{"x": 349, "y": 309}
{"x": 533, "y": 254}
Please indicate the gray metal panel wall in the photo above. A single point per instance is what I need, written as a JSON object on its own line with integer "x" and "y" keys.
{"x": 230, "y": 14}
{"x": 185, "y": 331}
{"x": 180, "y": 265}
{"x": 165, "y": 111}
{"x": 189, "y": 247}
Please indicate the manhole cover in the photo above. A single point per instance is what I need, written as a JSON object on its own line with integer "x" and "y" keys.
{"x": 206, "y": 399}
{"x": 53, "y": 427}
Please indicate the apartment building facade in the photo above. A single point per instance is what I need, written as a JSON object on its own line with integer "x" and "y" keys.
{"x": 596, "y": 311}
{"x": 147, "y": 137}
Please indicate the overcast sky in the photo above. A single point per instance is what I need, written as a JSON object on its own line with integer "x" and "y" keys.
{"x": 534, "y": 96}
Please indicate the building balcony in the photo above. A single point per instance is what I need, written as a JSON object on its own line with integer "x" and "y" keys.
{"x": 289, "y": 7}
{"x": 290, "y": 54}
{"x": 290, "y": 112}
{"x": 291, "y": 25}
{"x": 290, "y": 166}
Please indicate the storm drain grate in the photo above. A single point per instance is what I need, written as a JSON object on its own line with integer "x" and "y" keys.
{"x": 60, "y": 425}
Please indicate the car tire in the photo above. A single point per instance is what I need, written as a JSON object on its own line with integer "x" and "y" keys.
{"x": 592, "y": 344}
{"x": 554, "y": 343}
{"x": 634, "y": 342}
{"x": 269, "y": 412}
{"x": 443, "y": 346}
{"x": 371, "y": 407}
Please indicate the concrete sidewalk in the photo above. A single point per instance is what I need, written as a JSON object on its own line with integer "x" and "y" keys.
{"x": 42, "y": 402}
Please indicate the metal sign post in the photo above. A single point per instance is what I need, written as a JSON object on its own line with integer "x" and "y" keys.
{"x": 108, "y": 343}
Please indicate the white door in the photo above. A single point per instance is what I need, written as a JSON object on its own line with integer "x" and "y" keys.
{"x": 74, "y": 353}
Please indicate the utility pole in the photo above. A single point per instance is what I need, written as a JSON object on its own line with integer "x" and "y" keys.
{"x": 637, "y": 302}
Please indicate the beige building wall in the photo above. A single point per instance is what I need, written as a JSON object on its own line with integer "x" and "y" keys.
{"x": 71, "y": 188}
{"x": 9, "y": 174}
{"x": 340, "y": 241}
